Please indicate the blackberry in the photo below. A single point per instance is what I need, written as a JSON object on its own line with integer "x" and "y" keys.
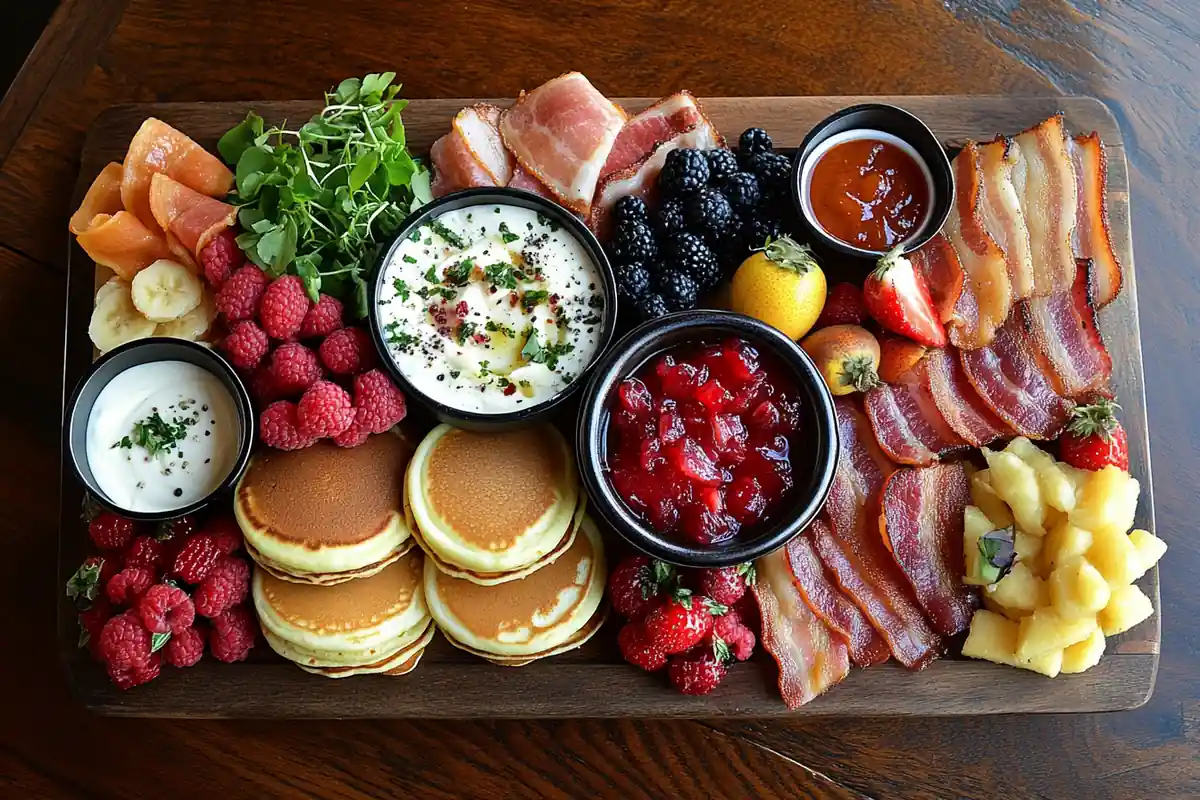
{"x": 677, "y": 289}
{"x": 690, "y": 255}
{"x": 670, "y": 217}
{"x": 634, "y": 241}
{"x": 752, "y": 142}
{"x": 742, "y": 191}
{"x": 756, "y": 231}
{"x": 707, "y": 212}
{"x": 774, "y": 171}
{"x": 731, "y": 251}
{"x": 633, "y": 280}
{"x": 721, "y": 164}
{"x": 685, "y": 170}
{"x": 651, "y": 306}
{"x": 631, "y": 209}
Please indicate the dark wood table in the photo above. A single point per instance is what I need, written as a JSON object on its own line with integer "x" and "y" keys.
{"x": 1141, "y": 58}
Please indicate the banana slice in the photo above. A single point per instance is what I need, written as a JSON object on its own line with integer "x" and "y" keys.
{"x": 112, "y": 284}
{"x": 165, "y": 291}
{"x": 115, "y": 320}
{"x": 192, "y": 325}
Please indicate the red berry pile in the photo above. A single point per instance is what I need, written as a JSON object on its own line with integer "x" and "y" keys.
{"x": 695, "y": 623}
{"x": 149, "y": 599}
{"x": 311, "y": 376}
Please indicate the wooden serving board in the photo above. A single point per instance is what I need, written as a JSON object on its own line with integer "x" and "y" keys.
{"x": 593, "y": 681}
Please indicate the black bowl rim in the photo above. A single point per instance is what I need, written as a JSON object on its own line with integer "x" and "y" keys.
{"x": 936, "y": 221}
{"x": 613, "y": 509}
{"x": 482, "y": 196}
{"x": 241, "y": 397}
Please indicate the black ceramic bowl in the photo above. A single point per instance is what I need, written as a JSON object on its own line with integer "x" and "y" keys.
{"x": 474, "y": 420}
{"x": 892, "y": 122}
{"x": 814, "y": 451}
{"x": 144, "y": 351}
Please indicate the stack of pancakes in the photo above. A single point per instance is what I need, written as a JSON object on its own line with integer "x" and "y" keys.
{"x": 513, "y": 569}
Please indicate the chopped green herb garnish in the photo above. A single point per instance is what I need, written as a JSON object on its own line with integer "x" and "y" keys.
{"x": 415, "y": 235}
{"x": 451, "y": 238}
{"x": 537, "y": 353}
{"x": 155, "y": 435}
{"x": 125, "y": 443}
{"x": 591, "y": 319}
{"x": 401, "y": 340}
{"x": 408, "y": 259}
{"x": 506, "y": 235}
{"x": 495, "y": 327}
{"x": 596, "y": 301}
{"x": 454, "y": 374}
{"x": 530, "y": 298}
{"x": 546, "y": 222}
{"x": 401, "y": 289}
{"x": 460, "y": 273}
{"x": 431, "y": 275}
{"x": 483, "y": 369}
{"x": 464, "y": 331}
{"x": 503, "y": 276}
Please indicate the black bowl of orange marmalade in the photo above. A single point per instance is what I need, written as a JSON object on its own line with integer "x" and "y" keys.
{"x": 872, "y": 177}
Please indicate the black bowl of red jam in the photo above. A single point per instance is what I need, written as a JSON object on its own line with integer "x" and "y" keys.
{"x": 707, "y": 438}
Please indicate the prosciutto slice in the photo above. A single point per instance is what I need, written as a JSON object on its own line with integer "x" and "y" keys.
{"x": 562, "y": 132}
{"x": 922, "y": 524}
{"x": 938, "y": 264}
{"x": 122, "y": 243}
{"x": 908, "y": 424}
{"x": 157, "y": 147}
{"x": 961, "y": 406}
{"x": 1045, "y": 182}
{"x": 811, "y": 657}
{"x": 852, "y": 550}
{"x": 521, "y": 179}
{"x": 1091, "y": 237}
{"x": 821, "y": 594}
{"x": 659, "y": 123}
{"x": 986, "y": 296}
{"x": 456, "y": 166}
{"x": 479, "y": 128}
{"x": 1009, "y": 379}
{"x": 1002, "y": 217}
{"x": 1063, "y": 328}
{"x": 190, "y": 219}
{"x": 102, "y": 197}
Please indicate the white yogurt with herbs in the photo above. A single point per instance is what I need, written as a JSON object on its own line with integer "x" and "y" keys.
{"x": 491, "y": 308}
{"x": 161, "y": 436}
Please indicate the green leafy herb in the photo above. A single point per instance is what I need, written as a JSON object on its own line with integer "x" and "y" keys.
{"x": 506, "y": 235}
{"x": 530, "y": 298}
{"x": 84, "y": 584}
{"x": 464, "y": 331}
{"x": 460, "y": 273}
{"x": 495, "y": 327}
{"x": 402, "y": 340}
{"x": 503, "y": 276}
{"x": 158, "y": 641}
{"x": 451, "y": 238}
{"x": 546, "y": 222}
{"x": 426, "y": 292}
{"x": 483, "y": 369}
{"x": 124, "y": 442}
{"x": 409, "y": 259}
{"x": 431, "y": 275}
{"x": 155, "y": 435}
{"x": 401, "y": 289}
{"x": 537, "y": 353}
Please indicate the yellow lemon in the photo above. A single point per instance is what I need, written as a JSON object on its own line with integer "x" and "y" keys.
{"x": 781, "y": 285}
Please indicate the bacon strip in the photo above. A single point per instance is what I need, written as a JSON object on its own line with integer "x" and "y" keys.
{"x": 827, "y": 601}
{"x": 938, "y": 264}
{"x": 852, "y": 550}
{"x": 961, "y": 406}
{"x": 987, "y": 293}
{"x": 1063, "y": 328}
{"x": 479, "y": 127}
{"x": 810, "y": 656}
{"x": 922, "y": 524}
{"x": 1045, "y": 182}
{"x": 455, "y": 166}
{"x": 1091, "y": 237}
{"x": 1002, "y": 215}
{"x": 521, "y": 179}
{"x": 1008, "y": 378}
{"x": 908, "y": 424}
{"x": 661, "y": 122}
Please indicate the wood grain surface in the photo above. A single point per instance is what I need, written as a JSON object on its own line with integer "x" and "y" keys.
{"x": 1139, "y": 57}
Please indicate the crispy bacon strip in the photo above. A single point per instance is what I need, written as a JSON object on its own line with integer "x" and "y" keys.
{"x": 1063, "y": 328}
{"x": 103, "y": 197}
{"x": 961, "y": 406}
{"x": 1009, "y": 379}
{"x": 811, "y": 657}
{"x": 1091, "y": 237}
{"x": 455, "y": 166}
{"x": 1002, "y": 215}
{"x": 1045, "y": 182}
{"x": 908, "y": 424}
{"x": 821, "y": 594}
{"x": 987, "y": 293}
{"x": 661, "y": 122}
{"x": 938, "y": 264}
{"x": 922, "y": 524}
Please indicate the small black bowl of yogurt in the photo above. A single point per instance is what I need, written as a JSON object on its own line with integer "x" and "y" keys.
{"x": 158, "y": 427}
{"x": 490, "y": 307}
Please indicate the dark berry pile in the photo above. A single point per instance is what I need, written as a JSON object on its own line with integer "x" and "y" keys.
{"x": 714, "y": 207}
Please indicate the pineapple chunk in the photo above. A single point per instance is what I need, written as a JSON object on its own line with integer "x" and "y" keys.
{"x": 1114, "y": 555}
{"x": 1048, "y": 664}
{"x": 1044, "y": 631}
{"x": 1017, "y": 485}
{"x": 1127, "y": 607}
{"x": 994, "y": 638}
{"x": 1028, "y": 548}
{"x": 1020, "y": 589}
{"x": 1014, "y": 614}
{"x": 1058, "y": 489}
{"x": 1077, "y": 589}
{"x": 1064, "y": 542}
{"x": 1107, "y": 501}
{"x": 985, "y": 497}
{"x": 1084, "y": 655}
{"x": 975, "y": 525}
{"x": 1149, "y": 547}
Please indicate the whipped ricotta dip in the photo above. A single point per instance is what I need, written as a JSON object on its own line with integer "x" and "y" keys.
{"x": 491, "y": 308}
{"x": 162, "y": 435}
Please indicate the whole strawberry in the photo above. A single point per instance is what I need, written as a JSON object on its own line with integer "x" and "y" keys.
{"x": 681, "y": 622}
{"x": 111, "y": 531}
{"x": 696, "y": 673}
{"x": 843, "y": 306}
{"x": 1094, "y": 438}
{"x": 727, "y": 584}
{"x": 637, "y": 651}
{"x": 636, "y": 583}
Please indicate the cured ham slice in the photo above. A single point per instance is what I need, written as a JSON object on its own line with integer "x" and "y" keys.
{"x": 1063, "y": 327}
{"x": 852, "y": 550}
{"x": 659, "y": 123}
{"x": 102, "y": 197}
{"x": 122, "y": 243}
{"x": 1045, "y": 183}
{"x": 961, "y": 406}
{"x": 922, "y": 524}
{"x": 157, "y": 147}
{"x": 456, "y": 166}
{"x": 521, "y": 179}
{"x": 1002, "y": 215}
{"x": 1091, "y": 237}
{"x": 938, "y": 264}
{"x": 810, "y": 656}
{"x": 562, "y": 132}
{"x": 827, "y": 601}
{"x": 479, "y": 127}
{"x": 190, "y": 219}
{"x": 908, "y": 424}
{"x": 986, "y": 296}
{"x": 1009, "y": 379}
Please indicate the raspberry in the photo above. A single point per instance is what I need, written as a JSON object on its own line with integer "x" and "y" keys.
{"x": 124, "y": 643}
{"x": 129, "y": 678}
{"x": 91, "y": 624}
{"x": 284, "y": 307}
{"x": 324, "y": 410}
{"x": 128, "y": 584}
{"x": 233, "y": 634}
{"x": 239, "y": 296}
{"x": 110, "y": 531}
{"x": 293, "y": 369}
{"x": 347, "y": 352}
{"x": 185, "y": 648}
{"x": 698, "y": 672}
{"x": 737, "y": 637}
{"x": 747, "y": 611}
{"x": 322, "y": 319}
{"x": 728, "y": 584}
{"x": 147, "y": 552}
{"x": 245, "y": 344}
{"x": 219, "y": 257}
{"x": 225, "y": 532}
{"x": 196, "y": 558}
{"x": 380, "y": 404}
{"x": 166, "y": 609}
{"x": 262, "y": 386}
{"x": 637, "y": 651}
{"x": 224, "y": 588}
{"x": 354, "y": 435}
{"x": 277, "y": 427}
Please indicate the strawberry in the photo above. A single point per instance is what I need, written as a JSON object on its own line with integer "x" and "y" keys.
{"x": 727, "y": 584}
{"x": 843, "y": 306}
{"x": 680, "y": 623}
{"x": 634, "y": 586}
{"x": 697, "y": 673}
{"x": 1094, "y": 438}
{"x": 897, "y": 296}
{"x": 636, "y": 650}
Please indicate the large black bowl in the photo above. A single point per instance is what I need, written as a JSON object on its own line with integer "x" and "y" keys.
{"x": 814, "y": 450}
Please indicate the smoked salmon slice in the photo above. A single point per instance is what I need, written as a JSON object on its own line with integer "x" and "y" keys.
{"x": 103, "y": 197}
{"x": 122, "y": 243}
{"x": 159, "y": 148}
{"x": 190, "y": 219}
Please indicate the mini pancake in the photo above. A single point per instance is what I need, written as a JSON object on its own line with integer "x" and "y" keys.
{"x": 323, "y": 510}
{"x": 581, "y": 636}
{"x": 400, "y": 663}
{"x": 492, "y": 502}
{"x": 555, "y": 609}
{"x": 329, "y": 578}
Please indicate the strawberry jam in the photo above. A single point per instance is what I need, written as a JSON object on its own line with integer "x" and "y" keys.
{"x": 699, "y": 440}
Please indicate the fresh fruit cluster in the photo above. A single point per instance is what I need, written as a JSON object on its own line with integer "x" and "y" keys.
{"x": 164, "y": 299}
{"x": 149, "y": 599}
{"x": 695, "y": 622}
{"x": 312, "y": 376}
{"x": 715, "y": 208}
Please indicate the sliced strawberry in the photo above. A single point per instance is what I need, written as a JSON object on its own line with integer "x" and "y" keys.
{"x": 898, "y": 298}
